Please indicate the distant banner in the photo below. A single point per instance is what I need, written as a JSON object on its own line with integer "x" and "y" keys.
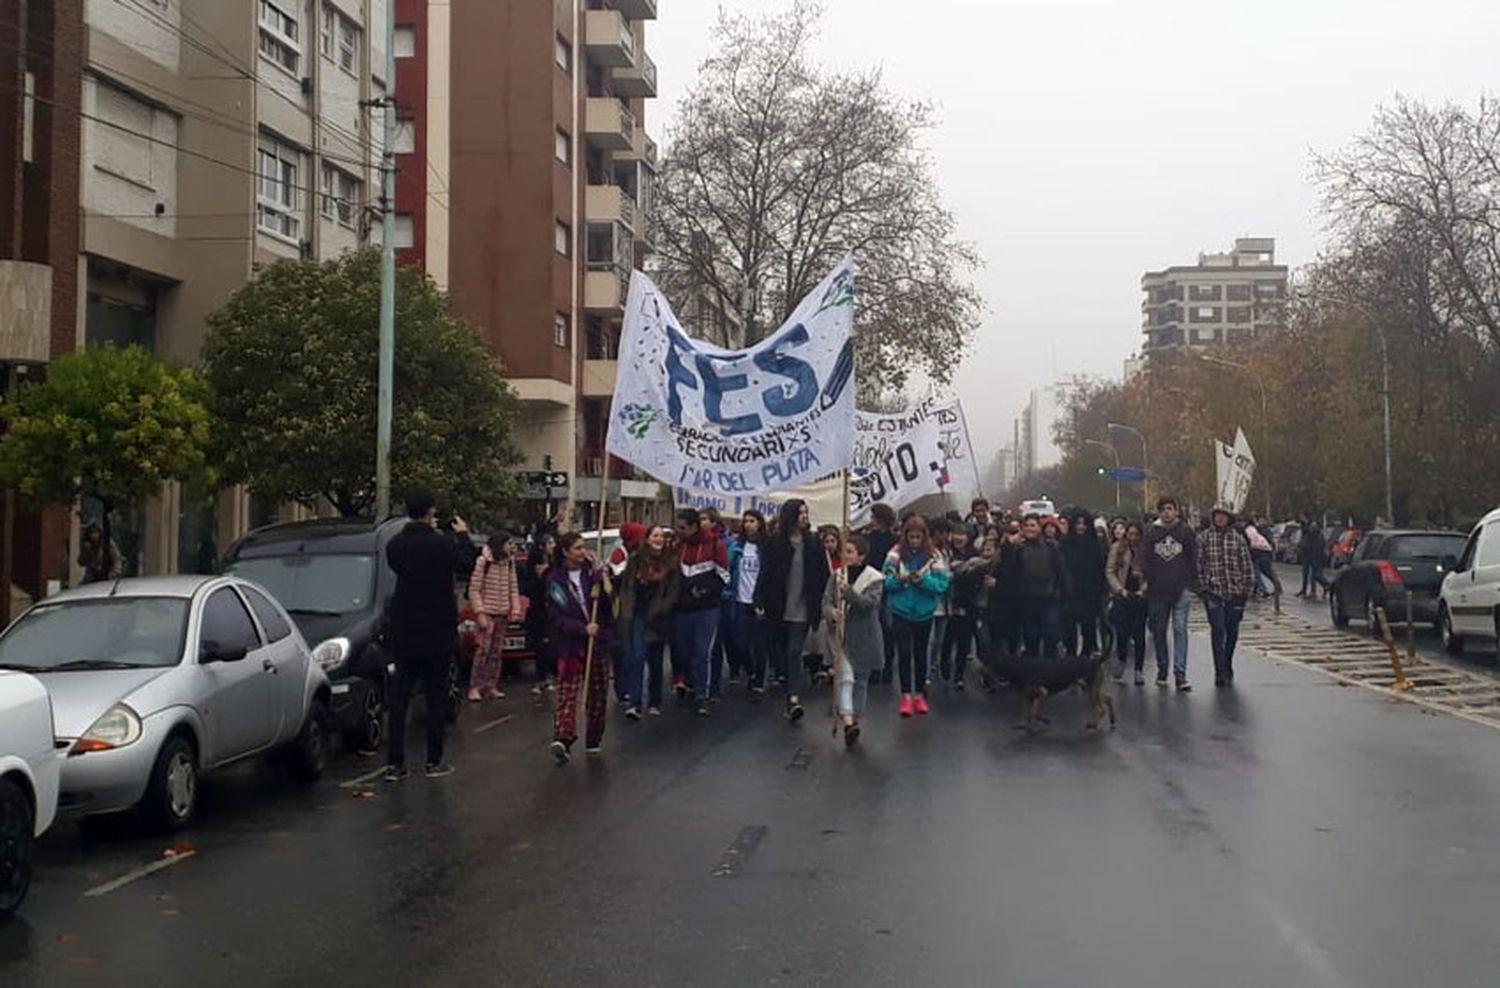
{"x": 958, "y": 451}
{"x": 1235, "y": 472}
{"x": 737, "y": 422}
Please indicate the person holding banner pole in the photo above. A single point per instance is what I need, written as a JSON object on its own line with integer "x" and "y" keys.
{"x": 578, "y": 611}
{"x": 790, "y": 592}
{"x": 851, "y": 610}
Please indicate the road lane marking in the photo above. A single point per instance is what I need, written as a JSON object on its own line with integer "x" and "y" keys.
{"x": 494, "y": 723}
{"x": 739, "y": 852}
{"x": 361, "y": 780}
{"x": 138, "y": 874}
{"x": 800, "y": 760}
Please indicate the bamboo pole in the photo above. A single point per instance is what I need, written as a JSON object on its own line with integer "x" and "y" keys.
{"x": 841, "y": 656}
{"x": 588, "y": 662}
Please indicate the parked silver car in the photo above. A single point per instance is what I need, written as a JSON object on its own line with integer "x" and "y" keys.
{"x": 154, "y": 681}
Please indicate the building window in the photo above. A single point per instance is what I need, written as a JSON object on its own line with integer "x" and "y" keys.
{"x": 329, "y": 27}
{"x": 404, "y": 236}
{"x": 278, "y": 191}
{"x": 562, "y": 239}
{"x": 341, "y": 194}
{"x": 563, "y": 147}
{"x": 348, "y": 45}
{"x": 28, "y": 117}
{"x": 406, "y": 42}
{"x": 563, "y": 54}
{"x": 406, "y": 136}
{"x": 560, "y": 330}
{"x": 279, "y": 35}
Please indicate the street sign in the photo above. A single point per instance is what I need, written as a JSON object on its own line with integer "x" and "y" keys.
{"x": 547, "y": 478}
{"x": 1127, "y": 475}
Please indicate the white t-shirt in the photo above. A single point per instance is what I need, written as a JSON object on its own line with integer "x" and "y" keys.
{"x": 749, "y": 573}
{"x": 576, "y": 576}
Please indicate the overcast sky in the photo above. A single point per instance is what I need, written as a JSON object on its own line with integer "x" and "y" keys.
{"x": 1083, "y": 142}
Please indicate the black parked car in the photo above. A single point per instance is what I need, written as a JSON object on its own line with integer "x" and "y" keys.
{"x": 1387, "y": 564}
{"x": 332, "y": 578}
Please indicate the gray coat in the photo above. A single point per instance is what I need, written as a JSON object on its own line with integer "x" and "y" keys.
{"x": 863, "y": 642}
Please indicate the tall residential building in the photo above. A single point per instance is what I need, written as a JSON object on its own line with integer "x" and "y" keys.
{"x": 41, "y": 52}
{"x": 554, "y": 170}
{"x": 1223, "y": 299}
{"x": 218, "y": 136}
{"x": 424, "y": 99}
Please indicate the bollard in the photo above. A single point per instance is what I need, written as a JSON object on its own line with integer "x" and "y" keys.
{"x": 1402, "y": 683}
{"x": 1411, "y": 634}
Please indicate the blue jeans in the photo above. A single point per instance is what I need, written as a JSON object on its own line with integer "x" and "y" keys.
{"x": 639, "y": 656}
{"x": 1224, "y": 617}
{"x": 1177, "y": 611}
{"x": 852, "y": 690}
{"x": 935, "y": 646}
{"x": 696, "y": 632}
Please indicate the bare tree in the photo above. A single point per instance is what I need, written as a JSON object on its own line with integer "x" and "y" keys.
{"x": 1429, "y": 173}
{"x": 775, "y": 170}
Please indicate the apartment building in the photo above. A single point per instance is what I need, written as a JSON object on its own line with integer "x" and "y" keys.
{"x": 553, "y": 166}
{"x": 1224, "y": 299}
{"x": 424, "y": 62}
{"x": 217, "y": 136}
{"x": 41, "y": 50}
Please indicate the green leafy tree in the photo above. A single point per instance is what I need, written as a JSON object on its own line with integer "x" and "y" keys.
{"x": 109, "y": 424}
{"x": 293, "y": 361}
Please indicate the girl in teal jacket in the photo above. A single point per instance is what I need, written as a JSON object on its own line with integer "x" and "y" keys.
{"x": 916, "y": 577}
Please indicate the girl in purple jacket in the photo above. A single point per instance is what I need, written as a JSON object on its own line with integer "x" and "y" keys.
{"x": 579, "y": 611}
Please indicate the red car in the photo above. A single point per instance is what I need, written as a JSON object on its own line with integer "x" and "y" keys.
{"x": 1342, "y": 549}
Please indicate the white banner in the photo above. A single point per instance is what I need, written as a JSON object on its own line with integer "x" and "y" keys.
{"x": 1235, "y": 471}
{"x": 963, "y": 463}
{"x": 737, "y": 422}
{"x": 898, "y": 459}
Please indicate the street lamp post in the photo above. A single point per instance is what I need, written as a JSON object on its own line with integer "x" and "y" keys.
{"x": 1265, "y": 414}
{"x": 1111, "y": 448}
{"x": 1145, "y": 462}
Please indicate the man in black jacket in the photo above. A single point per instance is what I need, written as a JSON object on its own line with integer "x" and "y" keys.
{"x": 1042, "y": 589}
{"x": 422, "y": 624}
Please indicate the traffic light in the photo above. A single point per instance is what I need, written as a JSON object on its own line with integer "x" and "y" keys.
{"x": 1102, "y": 471}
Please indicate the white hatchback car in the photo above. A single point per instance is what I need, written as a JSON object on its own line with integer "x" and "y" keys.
{"x": 30, "y": 769}
{"x": 1469, "y": 603}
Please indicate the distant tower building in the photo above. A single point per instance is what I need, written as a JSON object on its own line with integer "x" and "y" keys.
{"x": 1223, "y": 299}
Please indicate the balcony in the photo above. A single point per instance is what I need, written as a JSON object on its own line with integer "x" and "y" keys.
{"x": 609, "y": 124}
{"x": 637, "y": 10}
{"x": 605, "y": 287}
{"x": 642, "y": 149}
{"x": 636, "y": 81}
{"x": 599, "y": 378}
{"x": 610, "y": 204}
{"x": 608, "y": 39}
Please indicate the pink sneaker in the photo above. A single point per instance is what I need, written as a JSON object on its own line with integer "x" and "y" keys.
{"x": 922, "y": 705}
{"x": 907, "y": 709}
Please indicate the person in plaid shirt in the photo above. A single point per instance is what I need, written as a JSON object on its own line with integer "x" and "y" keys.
{"x": 1226, "y": 578}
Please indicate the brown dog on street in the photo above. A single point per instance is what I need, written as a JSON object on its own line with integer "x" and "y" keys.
{"x": 1038, "y": 679}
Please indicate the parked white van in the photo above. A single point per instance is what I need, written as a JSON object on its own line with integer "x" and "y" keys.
{"x": 1469, "y": 604}
{"x": 30, "y": 768}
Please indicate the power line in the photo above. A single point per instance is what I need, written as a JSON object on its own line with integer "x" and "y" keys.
{"x": 151, "y": 139}
{"x": 209, "y": 115}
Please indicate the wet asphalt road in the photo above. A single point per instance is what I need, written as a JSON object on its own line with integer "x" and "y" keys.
{"x": 1293, "y": 832}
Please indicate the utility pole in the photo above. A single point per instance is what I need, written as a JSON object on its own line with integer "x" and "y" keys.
{"x": 387, "y": 380}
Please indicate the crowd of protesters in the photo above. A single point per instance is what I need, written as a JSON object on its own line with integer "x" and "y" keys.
{"x": 768, "y": 606}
